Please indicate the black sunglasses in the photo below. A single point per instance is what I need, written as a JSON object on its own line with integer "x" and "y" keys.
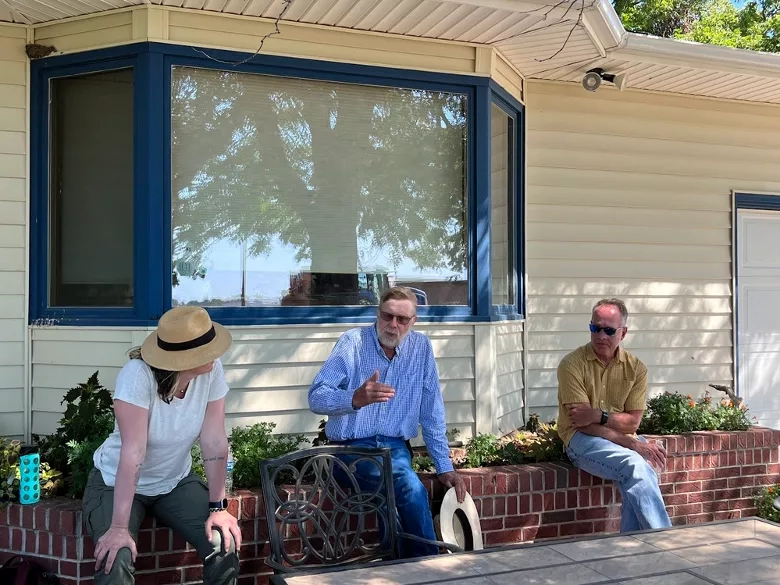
{"x": 608, "y": 330}
{"x": 402, "y": 319}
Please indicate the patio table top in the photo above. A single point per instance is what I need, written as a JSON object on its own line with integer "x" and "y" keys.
{"x": 729, "y": 552}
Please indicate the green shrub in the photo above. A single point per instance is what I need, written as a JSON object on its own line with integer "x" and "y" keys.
{"x": 87, "y": 421}
{"x": 50, "y": 480}
{"x": 764, "y": 499}
{"x": 423, "y": 464}
{"x": 482, "y": 450}
{"x": 251, "y": 445}
{"x": 673, "y": 414}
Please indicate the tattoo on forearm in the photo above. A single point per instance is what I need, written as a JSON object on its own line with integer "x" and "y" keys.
{"x": 218, "y": 458}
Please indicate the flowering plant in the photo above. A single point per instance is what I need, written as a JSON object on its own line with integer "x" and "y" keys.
{"x": 673, "y": 414}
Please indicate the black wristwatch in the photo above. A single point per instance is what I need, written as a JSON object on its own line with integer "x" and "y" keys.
{"x": 604, "y": 417}
{"x": 218, "y": 506}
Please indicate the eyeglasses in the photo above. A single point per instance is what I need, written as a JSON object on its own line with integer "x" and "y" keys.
{"x": 402, "y": 320}
{"x": 610, "y": 331}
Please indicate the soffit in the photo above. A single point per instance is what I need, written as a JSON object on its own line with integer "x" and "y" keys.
{"x": 543, "y": 39}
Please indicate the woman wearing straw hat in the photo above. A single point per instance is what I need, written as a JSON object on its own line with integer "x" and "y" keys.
{"x": 170, "y": 394}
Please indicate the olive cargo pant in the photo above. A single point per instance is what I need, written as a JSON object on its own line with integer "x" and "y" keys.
{"x": 185, "y": 510}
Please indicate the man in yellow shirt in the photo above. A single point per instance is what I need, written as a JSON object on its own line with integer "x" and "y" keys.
{"x": 602, "y": 393}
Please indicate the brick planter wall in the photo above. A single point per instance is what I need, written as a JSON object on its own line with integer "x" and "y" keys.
{"x": 709, "y": 476}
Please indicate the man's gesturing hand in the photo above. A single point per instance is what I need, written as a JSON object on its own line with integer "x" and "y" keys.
{"x": 372, "y": 391}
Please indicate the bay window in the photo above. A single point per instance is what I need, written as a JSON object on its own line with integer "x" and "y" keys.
{"x": 282, "y": 191}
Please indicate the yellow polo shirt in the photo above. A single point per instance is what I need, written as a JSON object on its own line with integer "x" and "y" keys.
{"x": 619, "y": 387}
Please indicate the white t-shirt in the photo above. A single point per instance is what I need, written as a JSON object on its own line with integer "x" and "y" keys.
{"x": 173, "y": 428}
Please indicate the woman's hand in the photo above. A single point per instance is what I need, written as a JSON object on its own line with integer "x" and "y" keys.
{"x": 227, "y": 525}
{"x": 108, "y": 545}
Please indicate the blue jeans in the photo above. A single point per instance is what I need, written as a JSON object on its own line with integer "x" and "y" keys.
{"x": 411, "y": 497}
{"x": 643, "y": 505}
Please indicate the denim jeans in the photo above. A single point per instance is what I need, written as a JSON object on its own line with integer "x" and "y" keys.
{"x": 643, "y": 505}
{"x": 411, "y": 497}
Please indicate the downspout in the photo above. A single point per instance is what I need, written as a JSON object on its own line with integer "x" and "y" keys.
{"x": 27, "y": 327}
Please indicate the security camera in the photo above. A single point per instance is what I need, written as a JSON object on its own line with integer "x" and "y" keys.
{"x": 592, "y": 80}
{"x": 594, "y": 77}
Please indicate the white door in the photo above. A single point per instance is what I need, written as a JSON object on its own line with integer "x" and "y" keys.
{"x": 758, "y": 313}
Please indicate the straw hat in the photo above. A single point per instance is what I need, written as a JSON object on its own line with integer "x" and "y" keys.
{"x": 185, "y": 339}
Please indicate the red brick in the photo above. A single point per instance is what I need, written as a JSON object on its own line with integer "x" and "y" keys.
{"x": 178, "y": 543}
{"x": 730, "y": 515}
{"x": 700, "y": 518}
{"x": 576, "y": 528}
{"x": 5, "y": 537}
{"x": 729, "y": 494}
{"x": 595, "y": 497}
{"x": 701, "y": 474}
{"x": 583, "y": 497}
{"x": 144, "y": 542}
{"x": 741, "y": 481}
{"x": 145, "y": 562}
{"x": 489, "y": 524}
{"x": 41, "y": 518}
{"x": 512, "y": 483}
{"x": 714, "y": 484}
{"x": 676, "y": 499}
{"x": 68, "y": 522}
{"x": 560, "y": 500}
{"x": 248, "y": 532}
{"x": 687, "y": 509}
{"x": 697, "y": 497}
{"x": 608, "y": 496}
{"x": 14, "y": 515}
{"x": 530, "y": 533}
{"x": 503, "y": 537}
{"x": 691, "y": 486}
{"x": 162, "y": 540}
{"x": 193, "y": 574}
{"x": 524, "y": 504}
{"x": 754, "y": 470}
{"x": 521, "y": 521}
{"x": 591, "y": 513}
{"x": 44, "y": 543}
{"x": 158, "y": 578}
{"x": 499, "y": 506}
{"x": 147, "y": 523}
{"x": 524, "y": 479}
{"x": 511, "y": 505}
{"x": 28, "y": 517}
{"x": 557, "y": 517}
{"x": 547, "y": 531}
{"x": 178, "y": 559}
{"x": 537, "y": 503}
{"x": 69, "y": 568}
{"x": 29, "y": 541}
{"x": 585, "y": 479}
{"x": 17, "y": 538}
{"x": 487, "y": 507}
{"x": 499, "y": 480}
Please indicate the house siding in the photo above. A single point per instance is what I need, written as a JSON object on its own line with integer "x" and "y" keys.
{"x": 13, "y": 214}
{"x": 629, "y": 195}
{"x": 242, "y": 33}
{"x": 269, "y": 370}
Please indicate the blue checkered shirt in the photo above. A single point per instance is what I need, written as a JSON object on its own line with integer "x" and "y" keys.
{"x": 412, "y": 372}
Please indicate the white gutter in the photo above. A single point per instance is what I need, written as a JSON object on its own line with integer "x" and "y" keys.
{"x": 674, "y": 52}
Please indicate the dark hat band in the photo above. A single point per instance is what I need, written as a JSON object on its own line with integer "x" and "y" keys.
{"x": 185, "y": 345}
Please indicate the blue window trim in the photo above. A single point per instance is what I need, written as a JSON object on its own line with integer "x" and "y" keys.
{"x": 152, "y": 63}
{"x": 516, "y": 111}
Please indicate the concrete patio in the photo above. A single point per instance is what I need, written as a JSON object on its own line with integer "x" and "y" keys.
{"x": 739, "y": 552}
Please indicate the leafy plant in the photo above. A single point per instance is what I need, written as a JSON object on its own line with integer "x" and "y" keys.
{"x": 482, "y": 450}
{"x": 89, "y": 415}
{"x": 197, "y": 461}
{"x": 322, "y": 438}
{"x": 423, "y": 464}
{"x": 9, "y": 469}
{"x": 673, "y": 414}
{"x": 253, "y": 444}
{"x": 764, "y": 499}
{"x": 10, "y": 477}
{"x": 452, "y": 435}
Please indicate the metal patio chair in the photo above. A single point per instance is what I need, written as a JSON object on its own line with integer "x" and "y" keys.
{"x": 320, "y": 514}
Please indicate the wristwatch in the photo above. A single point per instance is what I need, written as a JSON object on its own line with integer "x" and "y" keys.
{"x": 604, "y": 417}
{"x": 218, "y": 506}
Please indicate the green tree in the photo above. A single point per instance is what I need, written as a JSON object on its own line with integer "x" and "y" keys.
{"x": 755, "y": 26}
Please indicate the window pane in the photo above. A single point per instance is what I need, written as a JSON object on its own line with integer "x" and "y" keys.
{"x": 297, "y": 192}
{"x": 91, "y": 190}
{"x": 502, "y": 206}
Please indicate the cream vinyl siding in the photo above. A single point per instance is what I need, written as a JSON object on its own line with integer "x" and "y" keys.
{"x": 13, "y": 214}
{"x": 629, "y": 194}
{"x": 509, "y": 376}
{"x": 269, "y": 371}
{"x": 242, "y": 33}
